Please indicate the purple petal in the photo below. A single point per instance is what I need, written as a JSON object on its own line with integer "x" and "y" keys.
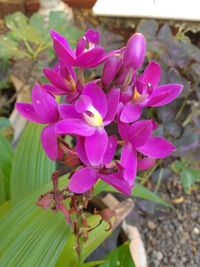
{"x": 27, "y": 111}
{"x": 123, "y": 130}
{"x": 74, "y": 126}
{"x": 83, "y": 103}
{"x": 49, "y": 141}
{"x": 98, "y": 97}
{"x": 112, "y": 102}
{"x": 164, "y": 94}
{"x": 151, "y": 74}
{"x": 129, "y": 161}
{"x": 131, "y": 113}
{"x": 92, "y": 36}
{"x": 44, "y": 104}
{"x": 139, "y": 132}
{"x": 62, "y": 48}
{"x": 117, "y": 182}
{"x": 56, "y": 79}
{"x": 83, "y": 180}
{"x": 135, "y": 51}
{"x": 110, "y": 150}
{"x": 91, "y": 58}
{"x": 157, "y": 147}
{"x": 110, "y": 69}
{"x": 145, "y": 163}
{"x": 51, "y": 89}
{"x": 81, "y": 46}
{"x": 68, "y": 111}
{"x": 95, "y": 146}
{"x": 80, "y": 148}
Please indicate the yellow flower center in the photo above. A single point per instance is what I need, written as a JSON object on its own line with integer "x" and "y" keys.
{"x": 93, "y": 117}
{"x": 136, "y": 94}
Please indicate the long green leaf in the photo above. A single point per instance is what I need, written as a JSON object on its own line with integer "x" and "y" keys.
{"x": 138, "y": 191}
{"x": 31, "y": 167}
{"x": 6, "y": 156}
{"x": 30, "y": 236}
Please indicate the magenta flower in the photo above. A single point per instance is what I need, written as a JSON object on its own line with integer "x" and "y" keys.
{"x": 87, "y": 53}
{"x": 139, "y": 139}
{"x": 147, "y": 93}
{"x": 43, "y": 110}
{"x": 135, "y": 51}
{"x": 85, "y": 178}
{"x": 63, "y": 80}
{"x": 91, "y": 112}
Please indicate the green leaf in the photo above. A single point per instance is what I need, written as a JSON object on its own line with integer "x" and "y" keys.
{"x": 120, "y": 257}
{"x": 4, "y": 208}
{"x": 30, "y": 236}
{"x": 6, "y": 157}
{"x": 138, "y": 191}
{"x": 143, "y": 192}
{"x": 189, "y": 177}
{"x": 68, "y": 256}
{"x": 31, "y": 166}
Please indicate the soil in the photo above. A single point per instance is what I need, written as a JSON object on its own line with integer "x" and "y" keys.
{"x": 171, "y": 236}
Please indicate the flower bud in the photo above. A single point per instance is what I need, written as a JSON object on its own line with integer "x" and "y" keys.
{"x": 135, "y": 51}
{"x": 110, "y": 69}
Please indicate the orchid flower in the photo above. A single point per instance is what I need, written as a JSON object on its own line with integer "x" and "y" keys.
{"x": 88, "y": 116}
{"x": 138, "y": 138}
{"x": 85, "y": 178}
{"x": 43, "y": 110}
{"x": 147, "y": 93}
{"x": 88, "y": 53}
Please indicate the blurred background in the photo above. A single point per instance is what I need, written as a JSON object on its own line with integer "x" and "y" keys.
{"x": 171, "y": 236}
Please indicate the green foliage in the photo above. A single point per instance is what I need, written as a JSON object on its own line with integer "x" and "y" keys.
{"x": 189, "y": 176}
{"x": 6, "y": 157}
{"x": 31, "y": 167}
{"x": 27, "y": 38}
{"x": 120, "y": 257}
{"x": 138, "y": 191}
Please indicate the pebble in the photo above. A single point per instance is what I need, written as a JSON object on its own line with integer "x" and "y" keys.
{"x": 151, "y": 225}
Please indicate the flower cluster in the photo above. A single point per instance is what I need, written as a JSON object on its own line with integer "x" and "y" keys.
{"x": 91, "y": 108}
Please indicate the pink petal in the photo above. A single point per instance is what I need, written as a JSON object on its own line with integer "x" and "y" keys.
{"x": 129, "y": 161}
{"x": 91, "y": 58}
{"x": 145, "y": 163}
{"x": 80, "y": 148}
{"x": 81, "y": 46}
{"x": 110, "y": 70}
{"x": 83, "y": 103}
{"x": 98, "y": 97}
{"x": 139, "y": 132}
{"x": 110, "y": 150}
{"x": 151, "y": 74}
{"x": 63, "y": 49}
{"x": 92, "y": 36}
{"x": 51, "y": 89}
{"x": 74, "y": 126}
{"x": 156, "y": 147}
{"x": 95, "y": 146}
{"x": 131, "y": 113}
{"x": 123, "y": 130}
{"x": 113, "y": 102}
{"x": 49, "y": 141}
{"x": 44, "y": 104}
{"x": 27, "y": 111}
{"x": 117, "y": 182}
{"x": 164, "y": 94}
{"x": 56, "y": 79}
{"x": 68, "y": 111}
{"x": 83, "y": 180}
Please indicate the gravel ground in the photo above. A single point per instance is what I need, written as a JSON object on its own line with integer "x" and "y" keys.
{"x": 172, "y": 239}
